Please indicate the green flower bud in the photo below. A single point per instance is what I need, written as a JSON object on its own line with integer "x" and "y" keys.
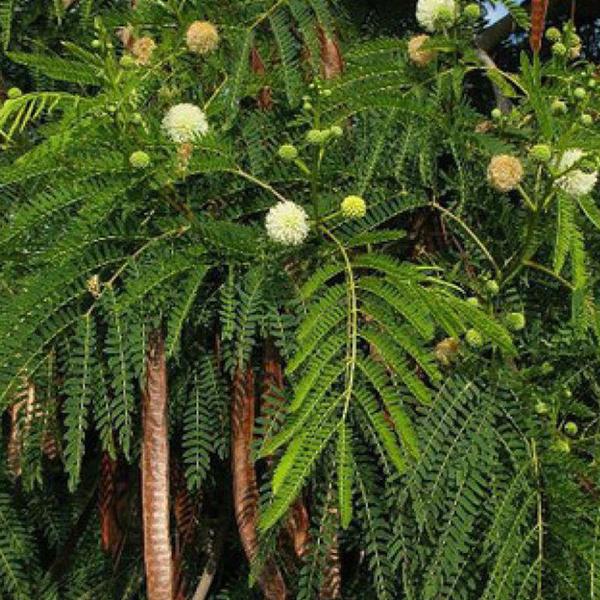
{"x": 473, "y": 301}
{"x": 541, "y": 408}
{"x": 96, "y": 43}
{"x": 127, "y": 61}
{"x": 558, "y": 107}
{"x": 571, "y": 428}
{"x": 307, "y": 106}
{"x": 567, "y": 393}
{"x": 547, "y": 368}
{"x": 288, "y": 152}
{"x": 326, "y": 93}
{"x": 317, "y": 136}
{"x": 559, "y": 49}
{"x": 562, "y": 446}
{"x": 13, "y": 93}
{"x": 336, "y": 131}
{"x": 472, "y": 11}
{"x": 579, "y": 93}
{"x": 586, "y": 120}
{"x": 353, "y": 207}
{"x": 492, "y": 287}
{"x": 136, "y": 118}
{"x": 592, "y": 83}
{"x": 553, "y": 34}
{"x": 573, "y": 40}
{"x": 541, "y": 153}
{"x": 474, "y": 338}
{"x": 515, "y": 321}
{"x": 496, "y": 114}
{"x": 445, "y": 16}
{"x": 139, "y": 159}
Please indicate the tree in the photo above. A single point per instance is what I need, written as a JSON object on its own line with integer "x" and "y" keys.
{"x": 295, "y": 304}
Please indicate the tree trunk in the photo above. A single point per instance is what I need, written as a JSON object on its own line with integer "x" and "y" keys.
{"x": 245, "y": 492}
{"x": 155, "y": 475}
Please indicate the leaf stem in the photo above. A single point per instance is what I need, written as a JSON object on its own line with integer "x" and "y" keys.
{"x": 352, "y": 323}
{"x": 259, "y": 182}
{"x": 471, "y": 234}
{"x": 547, "y": 271}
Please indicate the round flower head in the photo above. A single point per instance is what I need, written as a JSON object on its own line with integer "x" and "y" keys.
{"x": 202, "y": 37}
{"x": 571, "y": 428}
{"x": 142, "y": 49}
{"x": 317, "y": 136}
{"x": 14, "y": 93}
{"x": 185, "y": 122}
{"x": 553, "y": 34}
{"x": 472, "y": 11}
{"x": 558, "y": 107}
{"x": 421, "y": 57}
{"x": 474, "y": 338}
{"x": 435, "y": 14}
{"x": 446, "y": 351}
{"x": 575, "y": 52}
{"x": 139, "y": 159}
{"x": 559, "y": 49}
{"x": 287, "y": 223}
{"x": 353, "y": 207}
{"x": 504, "y": 172}
{"x": 492, "y": 287}
{"x": 541, "y": 408}
{"x": 541, "y": 153}
{"x": 288, "y": 152}
{"x": 574, "y": 182}
{"x": 515, "y": 321}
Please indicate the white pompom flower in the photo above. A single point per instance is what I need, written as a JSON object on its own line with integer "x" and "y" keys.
{"x": 433, "y": 15}
{"x": 287, "y": 223}
{"x": 185, "y": 123}
{"x": 574, "y": 182}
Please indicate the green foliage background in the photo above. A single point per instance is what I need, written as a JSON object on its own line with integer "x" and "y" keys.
{"x": 439, "y": 476}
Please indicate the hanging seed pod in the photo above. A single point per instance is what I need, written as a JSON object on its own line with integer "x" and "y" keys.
{"x": 265, "y": 95}
{"x": 539, "y": 8}
{"x": 332, "y": 63}
{"x": 245, "y": 490}
{"x": 155, "y": 474}
{"x": 110, "y": 532}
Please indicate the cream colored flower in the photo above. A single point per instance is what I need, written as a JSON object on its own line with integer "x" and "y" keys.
{"x": 575, "y": 182}
{"x": 446, "y": 351}
{"x": 287, "y": 223}
{"x": 202, "y": 37}
{"x": 142, "y": 49}
{"x": 433, "y": 15}
{"x": 185, "y": 122}
{"x": 420, "y": 57}
{"x": 505, "y": 172}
